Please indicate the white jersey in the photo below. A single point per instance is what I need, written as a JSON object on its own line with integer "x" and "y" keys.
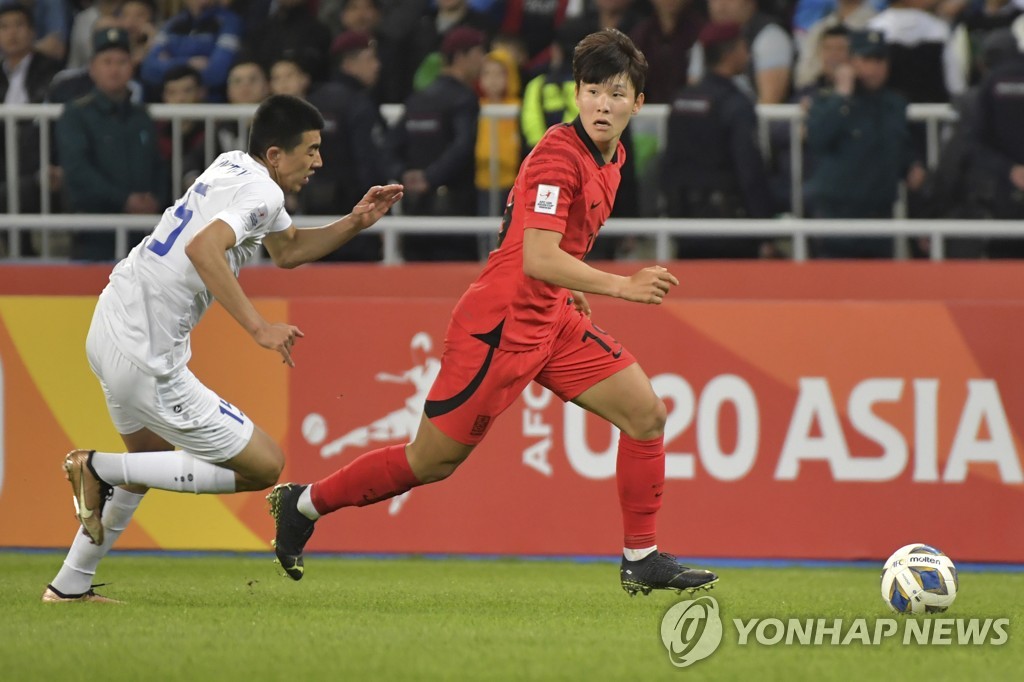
{"x": 155, "y": 296}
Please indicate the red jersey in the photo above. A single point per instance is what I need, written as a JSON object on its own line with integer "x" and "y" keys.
{"x": 565, "y": 186}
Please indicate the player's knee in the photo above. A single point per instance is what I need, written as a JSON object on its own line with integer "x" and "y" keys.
{"x": 649, "y": 422}
{"x": 437, "y": 471}
{"x": 267, "y": 474}
{"x": 261, "y": 480}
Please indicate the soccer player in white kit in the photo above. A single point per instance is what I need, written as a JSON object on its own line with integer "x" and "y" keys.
{"x": 138, "y": 342}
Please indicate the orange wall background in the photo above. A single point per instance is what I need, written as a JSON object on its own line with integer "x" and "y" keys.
{"x": 818, "y": 410}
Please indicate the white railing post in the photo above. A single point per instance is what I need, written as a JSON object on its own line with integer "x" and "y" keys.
{"x": 392, "y": 227}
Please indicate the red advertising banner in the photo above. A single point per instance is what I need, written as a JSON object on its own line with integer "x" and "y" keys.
{"x": 800, "y": 426}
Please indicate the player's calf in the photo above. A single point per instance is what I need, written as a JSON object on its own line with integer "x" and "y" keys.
{"x": 259, "y": 465}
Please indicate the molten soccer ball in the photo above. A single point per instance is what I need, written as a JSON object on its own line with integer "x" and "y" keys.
{"x": 918, "y": 578}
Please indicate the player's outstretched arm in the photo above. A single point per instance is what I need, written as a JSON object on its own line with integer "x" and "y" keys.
{"x": 293, "y": 247}
{"x": 206, "y": 251}
{"x": 543, "y": 259}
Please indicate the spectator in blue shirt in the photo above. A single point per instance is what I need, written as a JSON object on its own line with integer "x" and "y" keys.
{"x": 205, "y": 36}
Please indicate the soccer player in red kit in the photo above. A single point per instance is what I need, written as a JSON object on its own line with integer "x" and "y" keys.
{"x": 525, "y": 319}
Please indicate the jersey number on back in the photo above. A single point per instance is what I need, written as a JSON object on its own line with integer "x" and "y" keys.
{"x": 184, "y": 215}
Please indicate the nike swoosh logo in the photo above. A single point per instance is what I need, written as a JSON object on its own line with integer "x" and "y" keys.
{"x": 617, "y": 354}
{"x": 595, "y": 205}
{"x": 83, "y": 511}
{"x": 436, "y": 408}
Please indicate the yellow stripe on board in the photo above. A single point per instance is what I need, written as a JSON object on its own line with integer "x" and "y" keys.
{"x": 49, "y": 334}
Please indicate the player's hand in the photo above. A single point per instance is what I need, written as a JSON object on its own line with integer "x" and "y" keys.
{"x": 580, "y": 302}
{"x": 649, "y": 285}
{"x": 375, "y": 204}
{"x": 280, "y": 337}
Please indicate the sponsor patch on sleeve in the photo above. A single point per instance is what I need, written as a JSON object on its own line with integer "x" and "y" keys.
{"x": 255, "y": 217}
{"x": 547, "y": 199}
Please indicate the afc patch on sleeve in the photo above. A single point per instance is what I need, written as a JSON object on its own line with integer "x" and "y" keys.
{"x": 547, "y": 199}
{"x": 255, "y": 217}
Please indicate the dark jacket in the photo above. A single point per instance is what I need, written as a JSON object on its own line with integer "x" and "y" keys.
{"x": 668, "y": 56}
{"x": 108, "y": 150}
{"x": 712, "y": 146}
{"x": 292, "y": 33}
{"x": 437, "y": 134}
{"x": 998, "y": 143}
{"x": 352, "y": 144}
{"x": 37, "y": 80}
{"x": 41, "y": 71}
{"x": 862, "y": 151}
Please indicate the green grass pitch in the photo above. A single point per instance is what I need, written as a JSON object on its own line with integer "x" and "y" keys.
{"x": 223, "y": 617}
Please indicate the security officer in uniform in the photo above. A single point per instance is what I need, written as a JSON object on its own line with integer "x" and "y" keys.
{"x": 107, "y": 147}
{"x": 860, "y": 141}
{"x": 999, "y": 146}
{"x": 434, "y": 148}
{"x": 713, "y": 167}
{"x": 353, "y": 139}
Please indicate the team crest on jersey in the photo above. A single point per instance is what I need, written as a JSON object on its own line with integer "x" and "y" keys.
{"x": 547, "y": 199}
{"x": 256, "y": 216}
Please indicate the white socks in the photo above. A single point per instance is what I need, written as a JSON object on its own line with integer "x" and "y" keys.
{"x": 174, "y": 470}
{"x": 305, "y": 504}
{"x": 638, "y": 554}
{"x": 75, "y": 576}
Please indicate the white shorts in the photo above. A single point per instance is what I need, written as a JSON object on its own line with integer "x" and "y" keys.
{"x": 178, "y": 407}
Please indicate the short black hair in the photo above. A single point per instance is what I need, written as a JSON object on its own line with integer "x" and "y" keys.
{"x": 180, "y": 71}
{"x": 151, "y": 4}
{"x": 244, "y": 58}
{"x": 20, "y": 9}
{"x": 834, "y": 31}
{"x": 281, "y": 121}
{"x": 605, "y": 54}
{"x": 716, "y": 52}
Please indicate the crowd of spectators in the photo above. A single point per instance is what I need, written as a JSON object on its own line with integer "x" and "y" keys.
{"x": 853, "y": 65}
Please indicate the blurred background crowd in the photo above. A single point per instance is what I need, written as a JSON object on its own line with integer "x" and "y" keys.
{"x": 851, "y": 65}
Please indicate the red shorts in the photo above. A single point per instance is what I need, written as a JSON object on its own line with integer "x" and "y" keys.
{"x": 478, "y": 381}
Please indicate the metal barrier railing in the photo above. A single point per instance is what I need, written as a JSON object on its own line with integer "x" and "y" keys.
{"x": 661, "y": 230}
{"x": 654, "y": 116}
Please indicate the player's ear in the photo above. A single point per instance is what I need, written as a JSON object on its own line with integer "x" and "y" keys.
{"x": 273, "y": 155}
{"x": 637, "y": 103}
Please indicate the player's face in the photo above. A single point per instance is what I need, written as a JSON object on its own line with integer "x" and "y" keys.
{"x": 605, "y": 109}
{"x": 292, "y": 169}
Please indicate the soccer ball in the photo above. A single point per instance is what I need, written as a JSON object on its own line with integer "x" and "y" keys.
{"x": 918, "y": 578}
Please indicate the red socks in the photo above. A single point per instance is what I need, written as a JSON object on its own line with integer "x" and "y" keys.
{"x": 384, "y": 473}
{"x": 640, "y": 473}
{"x": 371, "y": 477}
